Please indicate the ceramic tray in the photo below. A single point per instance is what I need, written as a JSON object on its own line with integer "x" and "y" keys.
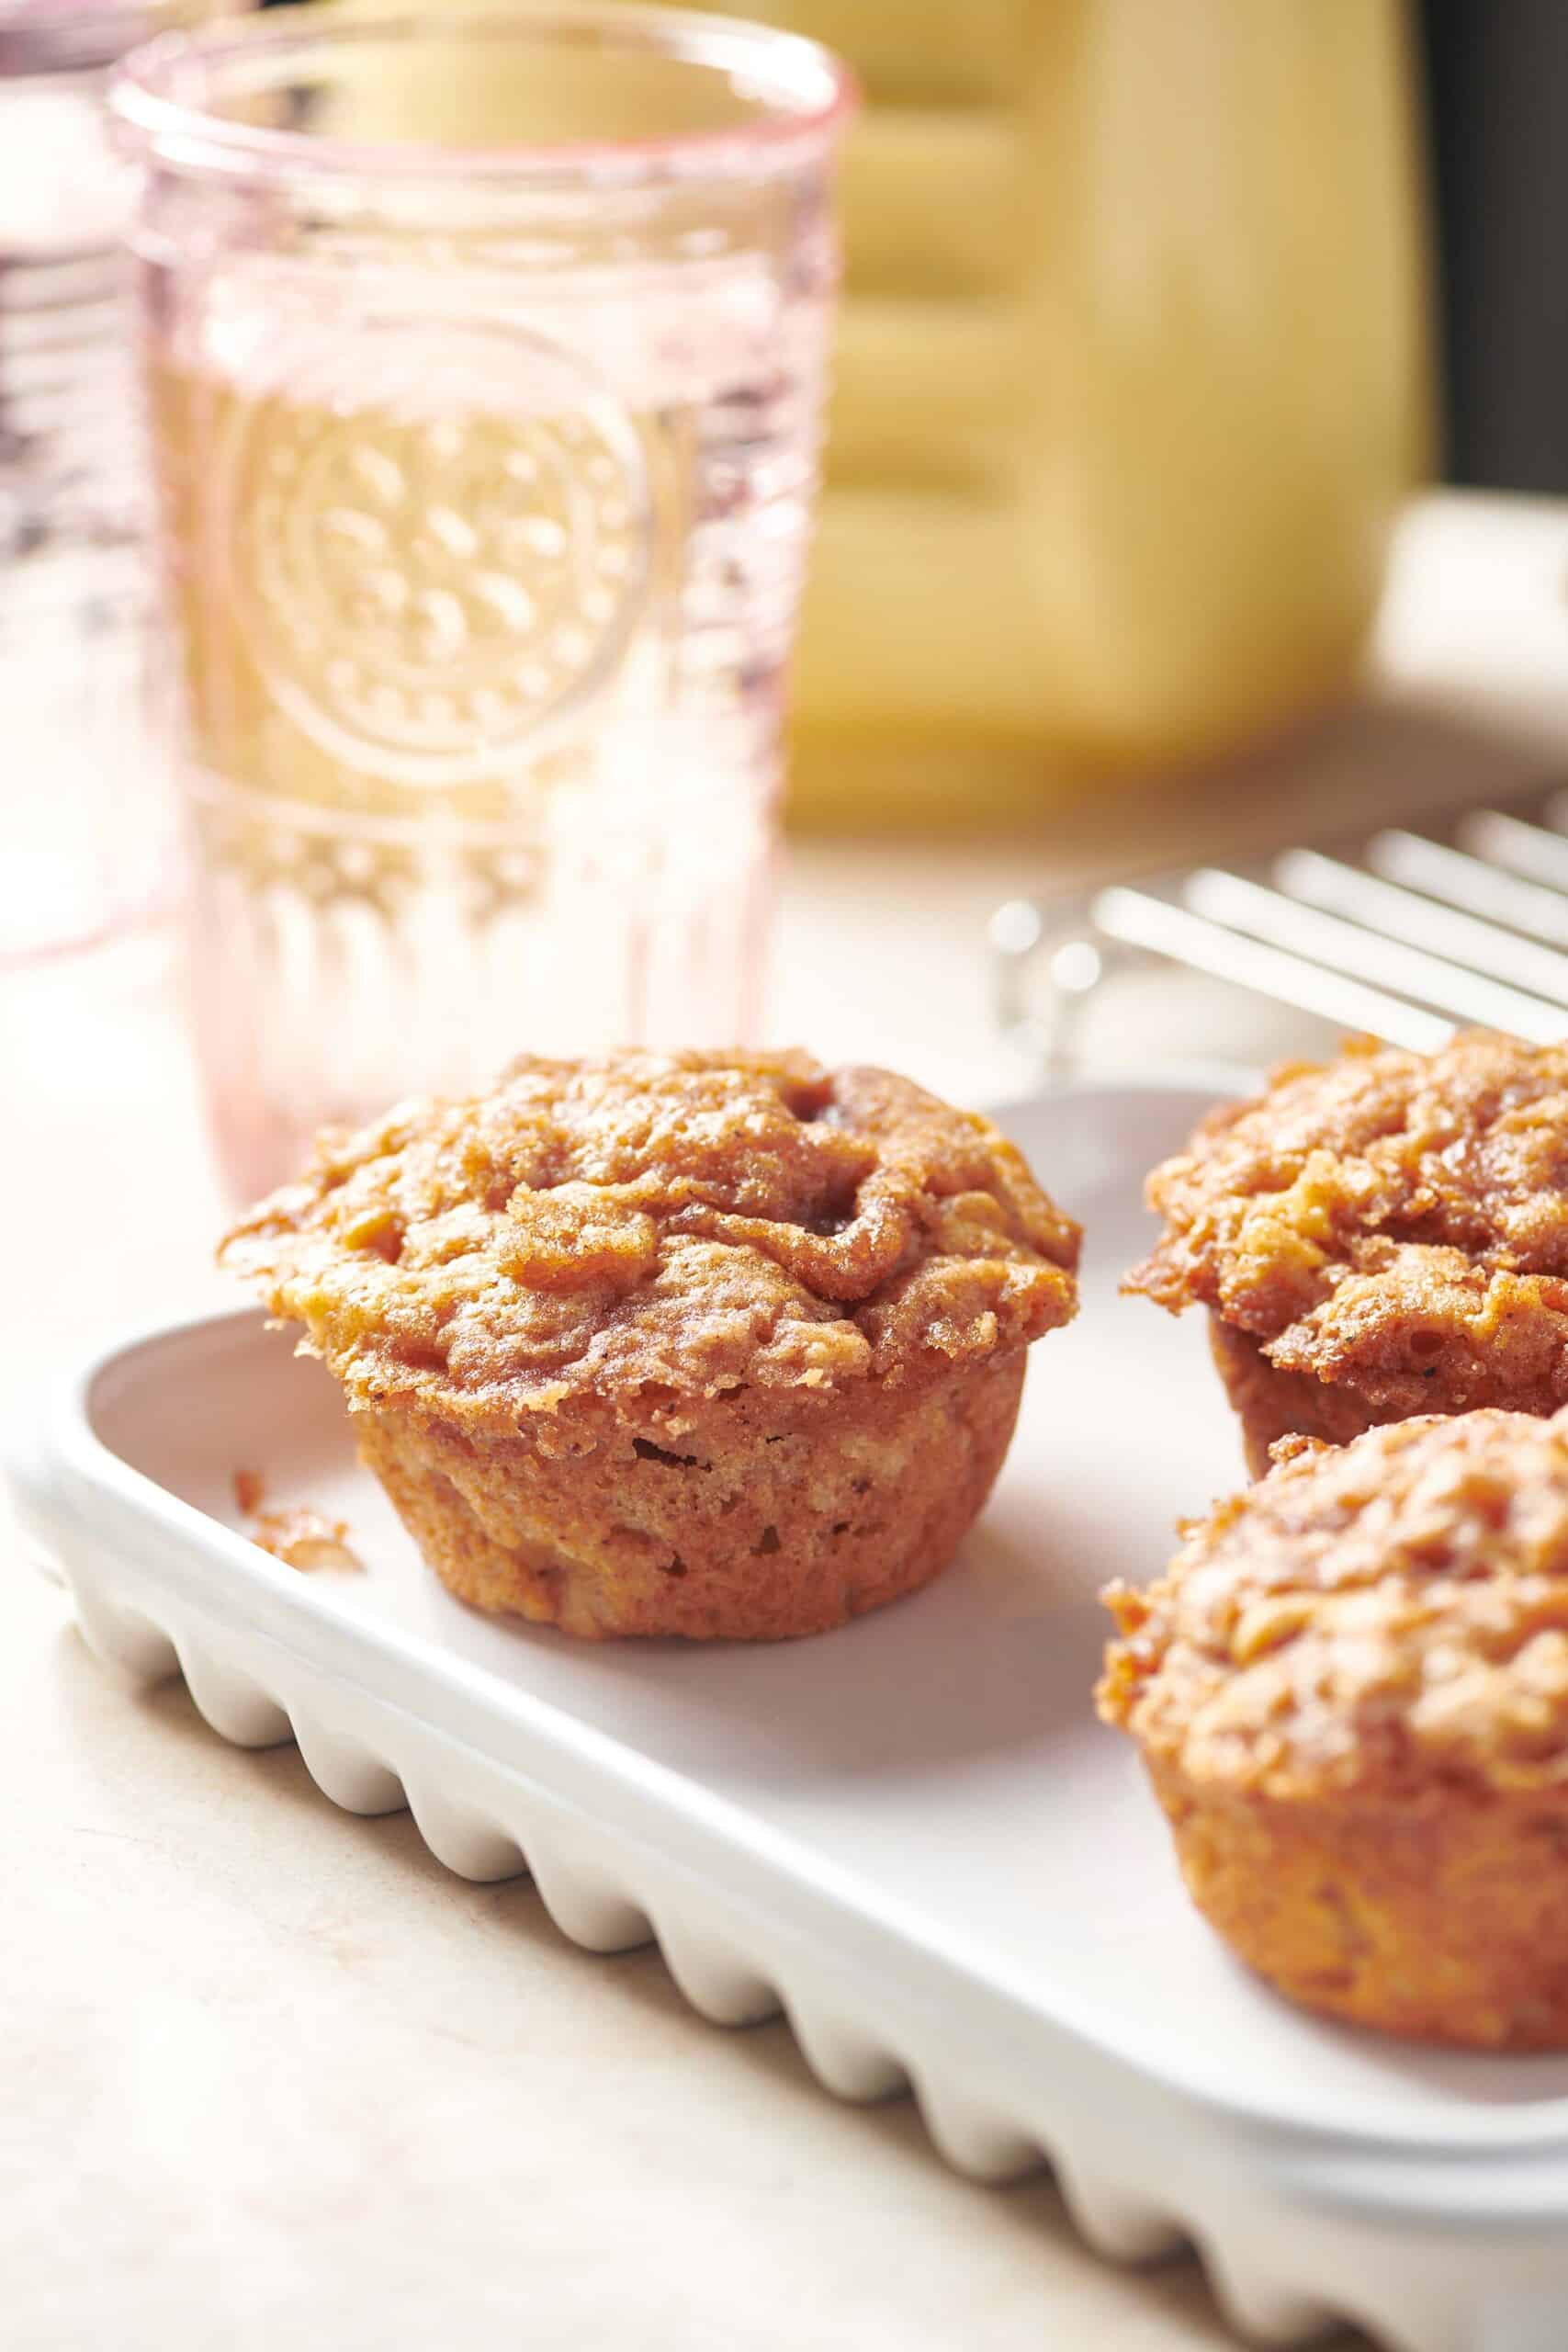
{"x": 910, "y": 1836}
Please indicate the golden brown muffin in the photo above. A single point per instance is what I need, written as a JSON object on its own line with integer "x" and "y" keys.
{"x": 1350, "y": 1688}
{"x": 716, "y": 1344}
{"x": 1383, "y": 1234}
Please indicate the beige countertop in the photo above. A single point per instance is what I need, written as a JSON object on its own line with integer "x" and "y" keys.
{"x": 273, "y": 2076}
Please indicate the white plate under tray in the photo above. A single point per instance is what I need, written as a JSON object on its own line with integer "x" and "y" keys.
{"x": 911, "y": 1835}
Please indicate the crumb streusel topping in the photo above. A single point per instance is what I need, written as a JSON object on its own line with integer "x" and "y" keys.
{"x": 1391, "y": 1219}
{"x": 1365, "y": 1621}
{"x": 686, "y": 1223}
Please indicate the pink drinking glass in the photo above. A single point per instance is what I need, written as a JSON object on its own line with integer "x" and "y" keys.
{"x": 85, "y": 827}
{"x": 484, "y": 359}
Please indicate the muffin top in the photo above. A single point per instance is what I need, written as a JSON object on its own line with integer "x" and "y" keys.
{"x": 1397, "y": 1221}
{"x": 680, "y": 1225}
{"x": 1366, "y": 1620}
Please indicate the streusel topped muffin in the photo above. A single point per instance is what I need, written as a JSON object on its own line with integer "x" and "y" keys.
{"x": 1382, "y": 1236}
{"x": 713, "y": 1344}
{"x": 1350, "y": 1688}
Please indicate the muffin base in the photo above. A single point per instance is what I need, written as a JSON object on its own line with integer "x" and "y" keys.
{"x": 759, "y": 1516}
{"x": 1270, "y": 1404}
{"x": 1441, "y": 1918}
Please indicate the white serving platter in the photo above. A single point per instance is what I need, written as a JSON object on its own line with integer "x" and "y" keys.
{"x": 911, "y": 1835}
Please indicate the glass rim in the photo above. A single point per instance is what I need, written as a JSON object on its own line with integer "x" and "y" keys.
{"x": 188, "y": 136}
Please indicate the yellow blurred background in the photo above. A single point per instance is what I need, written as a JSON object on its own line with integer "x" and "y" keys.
{"x": 1131, "y": 376}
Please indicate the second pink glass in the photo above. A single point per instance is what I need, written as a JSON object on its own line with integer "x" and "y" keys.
{"x": 484, "y": 362}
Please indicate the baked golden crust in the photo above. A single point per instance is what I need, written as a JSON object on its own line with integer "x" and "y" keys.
{"x": 722, "y": 1345}
{"x": 1391, "y": 1222}
{"x": 1350, "y": 1688}
{"x": 1365, "y": 1620}
{"x": 675, "y": 1223}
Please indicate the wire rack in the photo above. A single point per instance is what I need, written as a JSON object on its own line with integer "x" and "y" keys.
{"x": 1404, "y": 933}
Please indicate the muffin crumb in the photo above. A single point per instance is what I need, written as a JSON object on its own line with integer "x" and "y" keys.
{"x": 299, "y": 1534}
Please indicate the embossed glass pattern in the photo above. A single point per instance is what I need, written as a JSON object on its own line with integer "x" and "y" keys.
{"x": 484, "y": 364}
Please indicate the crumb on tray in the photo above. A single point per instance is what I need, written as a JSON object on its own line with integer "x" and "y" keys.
{"x": 299, "y": 1535}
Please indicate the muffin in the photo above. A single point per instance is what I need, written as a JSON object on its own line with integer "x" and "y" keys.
{"x": 1382, "y": 1236}
{"x": 1350, "y": 1688}
{"x": 715, "y": 1344}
